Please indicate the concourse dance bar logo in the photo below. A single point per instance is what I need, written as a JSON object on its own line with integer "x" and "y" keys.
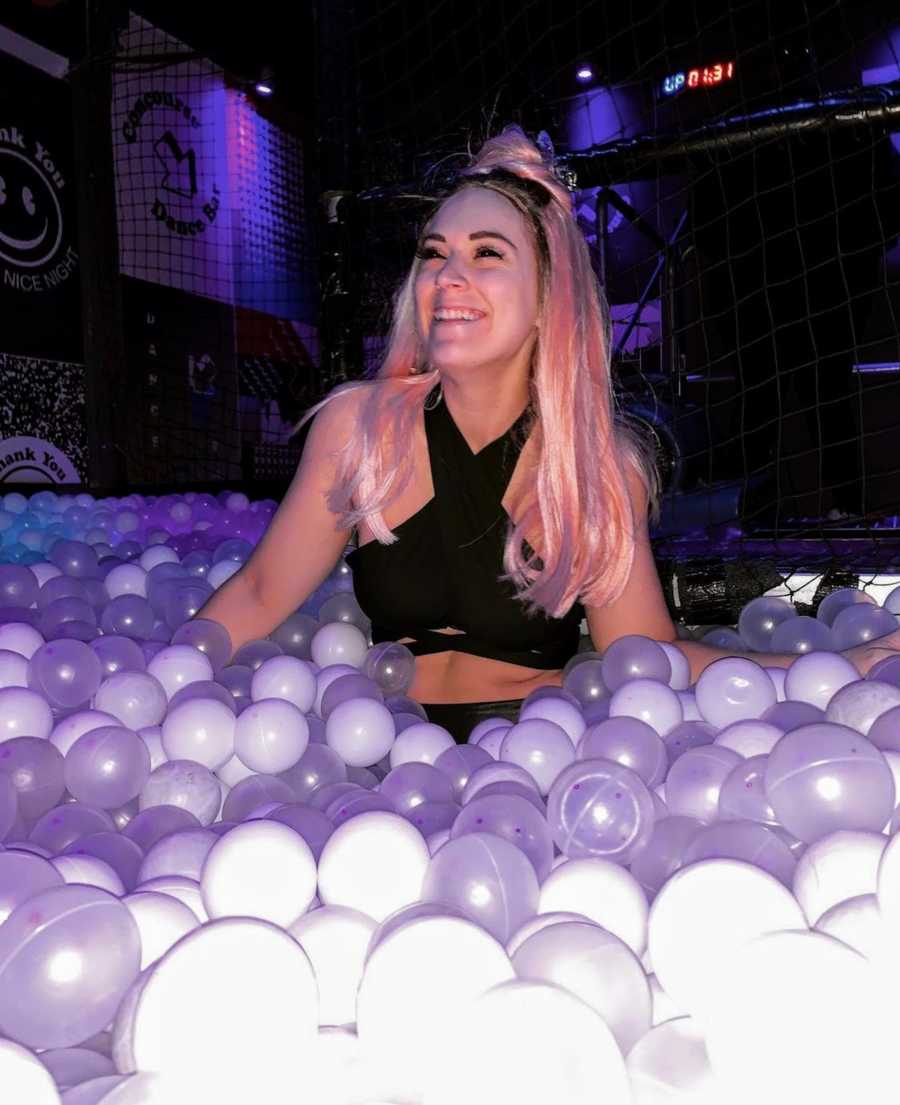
{"x": 35, "y": 252}
{"x": 169, "y": 124}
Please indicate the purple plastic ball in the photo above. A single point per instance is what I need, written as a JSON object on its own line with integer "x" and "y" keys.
{"x": 486, "y": 877}
{"x": 411, "y": 784}
{"x": 36, "y": 770}
{"x": 744, "y": 840}
{"x": 634, "y": 657}
{"x": 107, "y": 767}
{"x": 58, "y": 827}
{"x": 687, "y": 735}
{"x": 516, "y": 820}
{"x": 732, "y": 689}
{"x": 695, "y": 780}
{"x": 824, "y": 777}
{"x": 67, "y": 957}
{"x": 317, "y": 767}
{"x": 600, "y": 808}
{"x": 312, "y": 825}
{"x": 663, "y": 853}
{"x": 152, "y": 824}
{"x": 743, "y": 797}
{"x": 458, "y": 763}
{"x": 630, "y": 742}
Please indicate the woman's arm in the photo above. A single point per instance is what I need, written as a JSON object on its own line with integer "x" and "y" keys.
{"x": 302, "y": 543}
{"x": 641, "y": 609}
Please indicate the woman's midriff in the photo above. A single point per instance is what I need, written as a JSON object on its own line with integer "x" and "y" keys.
{"x": 455, "y": 677}
{"x": 449, "y": 677}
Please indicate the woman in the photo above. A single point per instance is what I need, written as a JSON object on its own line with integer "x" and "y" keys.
{"x": 494, "y": 490}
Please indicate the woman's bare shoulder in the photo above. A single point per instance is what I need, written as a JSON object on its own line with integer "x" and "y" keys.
{"x": 342, "y": 411}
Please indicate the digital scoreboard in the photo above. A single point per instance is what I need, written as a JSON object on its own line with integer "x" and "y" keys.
{"x": 702, "y": 76}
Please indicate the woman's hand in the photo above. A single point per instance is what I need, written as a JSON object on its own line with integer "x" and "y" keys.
{"x": 864, "y": 656}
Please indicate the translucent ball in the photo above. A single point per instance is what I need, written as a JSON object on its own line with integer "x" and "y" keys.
{"x": 59, "y": 826}
{"x": 689, "y": 734}
{"x": 634, "y": 657}
{"x": 343, "y": 607}
{"x": 839, "y": 600}
{"x": 627, "y": 741}
{"x": 294, "y": 635}
{"x": 458, "y": 763}
{"x": 413, "y": 784}
{"x": 742, "y": 797}
{"x": 74, "y": 558}
{"x": 585, "y": 681}
{"x": 312, "y": 825}
{"x": 36, "y": 770}
{"x": 107, "y": 767}
{"x": 66, "y": 673}
{"x": 391, "y": 666}
{"x": 801, "y": 635}
{"x": 18, "y": 586}
{"x": 317, "y": 767}
{"x": 516, "y": 820}
{"x": 857, "y": 624}
{"x": 251, "y": 793}
{"x": 118, "y": 654}
{"x": 663, "y": 854}
{"x": 824, "y": 777}
{"x": 128, "y": 615}
{"x": 208, "y": 636}
{"x": 486, "y": 877}
{"x": 598, "y": 808}
{"x": 346, "y": 687}
{"x": 744, "y": 840}
{"x": 696, "y": 779}
{"x": 68, "y": 955}
{"x": 155, "y": 822}
{"x": 760, "y": 618}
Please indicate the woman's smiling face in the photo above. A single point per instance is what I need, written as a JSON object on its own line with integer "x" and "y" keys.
{"x": 476, "y": 256}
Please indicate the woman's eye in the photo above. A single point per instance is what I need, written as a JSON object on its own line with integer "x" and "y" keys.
{"x": 429, "y": 252}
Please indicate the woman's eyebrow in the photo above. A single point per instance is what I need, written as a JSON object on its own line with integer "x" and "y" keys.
{"x": 472, "y": 237}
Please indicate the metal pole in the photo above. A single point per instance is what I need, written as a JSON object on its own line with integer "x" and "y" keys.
{"x": 105, "y": 371}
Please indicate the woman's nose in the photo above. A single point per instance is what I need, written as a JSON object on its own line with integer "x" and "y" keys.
{"x": 450, "y": 275}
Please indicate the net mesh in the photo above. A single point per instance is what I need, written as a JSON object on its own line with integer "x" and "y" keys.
{"x": 734, "y": 170}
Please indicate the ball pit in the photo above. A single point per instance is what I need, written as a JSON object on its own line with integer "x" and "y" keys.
{"x": 267, "y": 875}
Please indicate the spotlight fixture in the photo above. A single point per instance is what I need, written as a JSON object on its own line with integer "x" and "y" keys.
{"x": 584, "y": 73}
{"x": 265, "y": 85}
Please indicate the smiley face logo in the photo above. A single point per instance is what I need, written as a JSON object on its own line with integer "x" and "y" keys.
{"x": 30, "y": 215}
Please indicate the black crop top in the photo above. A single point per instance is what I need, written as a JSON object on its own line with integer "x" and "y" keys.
{"x": 442, "y": 571}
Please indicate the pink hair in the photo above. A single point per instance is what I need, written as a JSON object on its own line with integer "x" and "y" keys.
{"x": 580, "y": 504}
